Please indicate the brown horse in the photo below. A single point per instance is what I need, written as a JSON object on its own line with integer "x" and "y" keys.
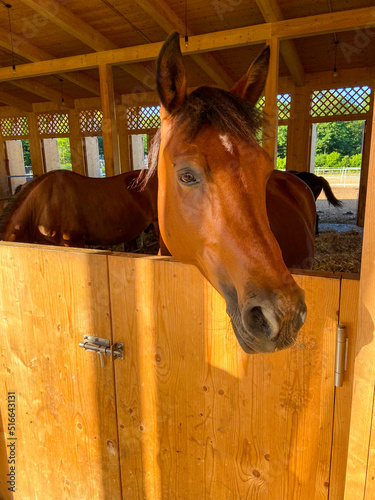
{"x": 212, "y": 202}
{"x": 68, "y": 209}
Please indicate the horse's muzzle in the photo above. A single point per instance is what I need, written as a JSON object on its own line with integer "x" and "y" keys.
{"x": 269, "y": 321}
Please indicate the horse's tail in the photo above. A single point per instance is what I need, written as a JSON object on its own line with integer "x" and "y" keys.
{"x": 329, "y": 194}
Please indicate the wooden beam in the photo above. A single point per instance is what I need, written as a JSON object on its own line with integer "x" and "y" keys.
{"x": 238, "y": 37}
{"x": 165, "y": 17}
{"x": 270, "y": 108}
{"x": 109, "y": 126}
{"x": 361, "y": 437}
{"x": 298, "y": 143}
{"x": 35, "y": 144}
{"x": 41, "y": 90}
{"x": 79, "y": 29}
{"x": 69, "y": 22}
{"x": 75, "y": 141}
{"x": 27, "y": 50}
{"x": 17, "y": 102}
{"x": 271, "y": 12}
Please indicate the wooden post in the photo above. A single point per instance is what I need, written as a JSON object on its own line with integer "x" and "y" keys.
{"x": 35, "y": 146}
{"x": 76, "y": 146}
{"x": 365, "y": 164}
{"x": 4, "y": 186}
{"x": 270, "y": 107}
{"x": 298, "y": 144}
{"x": 123, "y": 138}
{"x": 109, "y": 126}
{"x": 361, "y": 453}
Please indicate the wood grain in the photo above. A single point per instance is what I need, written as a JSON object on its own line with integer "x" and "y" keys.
{"x": 199, "y": 418}
{"x": 66, "y": 443}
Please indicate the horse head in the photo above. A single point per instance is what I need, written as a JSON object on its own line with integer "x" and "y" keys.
{"x": 212, "y": 200}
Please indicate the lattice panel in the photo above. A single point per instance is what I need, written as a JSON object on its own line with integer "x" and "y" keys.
{"x": 90, "y": 121}
{"x": 348, "y": 101}
{"x": 283, "y": 103}
{"x": 53, "y": 124}
{"x": 143, "y": 117}
{"x": 14, "y": 126}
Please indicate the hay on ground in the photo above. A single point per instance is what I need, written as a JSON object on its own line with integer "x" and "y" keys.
{"x": 338, "y": 252}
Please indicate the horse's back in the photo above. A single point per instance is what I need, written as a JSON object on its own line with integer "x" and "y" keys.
{"x": 292, "y": 212}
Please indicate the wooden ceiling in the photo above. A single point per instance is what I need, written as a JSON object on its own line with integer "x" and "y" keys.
{"x": 44, "y": 30}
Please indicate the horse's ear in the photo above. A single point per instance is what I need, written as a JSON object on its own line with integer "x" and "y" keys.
{"x": 171, "y": 74}
{"x": 251, "y": 85}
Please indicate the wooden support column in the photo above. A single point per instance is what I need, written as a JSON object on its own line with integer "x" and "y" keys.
{"x": 365, "y": 164}
{"x": 123, "y": 138}
{"x": 270, "y": 108}
{"x": 76, "y": 146}
{"x": 361, "y": 454}
{"x": 109, "y": 125}
{"x": 298, "y": 144}
{"x": 35, "y": 146}
{"x": 4, "y": 186}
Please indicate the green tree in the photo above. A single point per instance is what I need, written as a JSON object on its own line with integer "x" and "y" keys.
{"x": 282, "y": 134}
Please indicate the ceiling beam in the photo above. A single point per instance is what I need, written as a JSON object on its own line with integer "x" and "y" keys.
{"x": 72, "y": 24}
{"x": 164, "y": 16}
{"x": 17, "y": 102}
{"x": 271, "y": 13}
{"x": 41, "y": 90}
{"x": 238, "y": 37}
{"x": 27, "y": 50}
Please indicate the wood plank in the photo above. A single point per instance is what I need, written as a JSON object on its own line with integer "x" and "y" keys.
{"x": 270, "y": 107}
{"x": 364, "y": 370}
{"x": 298, "y": 143}
{"x": 109, "y": 125}
{"x": 76, "y": 145}
{"x": 169, "y": 21}
{"x": 15, "y": 101}
{"x": 238, "y": 37}
{"x": 271, "y": 12}
{"x": 199, "y": 418}
{"x": 41, "y": 90}
{"x": 35, "y": 146}
{"x": 343, "y": 395}
{"x": 66, "y": 446}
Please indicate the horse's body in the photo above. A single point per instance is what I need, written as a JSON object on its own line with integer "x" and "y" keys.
{"x": 212, "y": 202}
{"x": 65, "y": 208}
{"x": 317, "y": 184}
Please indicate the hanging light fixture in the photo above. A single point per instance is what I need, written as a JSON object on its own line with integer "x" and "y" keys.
{"x": 62, "y": 91}
{"x": 336, "y": 42}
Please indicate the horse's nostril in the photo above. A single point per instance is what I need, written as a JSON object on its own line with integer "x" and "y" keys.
{"x": 256, "y": 317}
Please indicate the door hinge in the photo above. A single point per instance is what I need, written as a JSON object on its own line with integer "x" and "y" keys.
{"x": 341, "y": 357}
{"x": 103, "y": 347}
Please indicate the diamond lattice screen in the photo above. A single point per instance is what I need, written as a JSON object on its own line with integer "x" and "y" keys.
{"x": 53, "y": 124}
{"x": 14, "y": 126}
{"x": 143, "y": 117}
{"x": 90, "y": 121}
{"x": 348, "y": 101}
{"x": 283, "y": 104}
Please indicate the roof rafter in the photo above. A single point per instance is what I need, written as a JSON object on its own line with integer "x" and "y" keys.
{"x": 17, "y": 102}
{"x": 271, "y": 12}
{"x": 41, "y": 90}
{"x": 72, "y": 24}
{"x": 238, "y": 37}
{"x": 165, "y": 17}
{"x": 27, "y": 50}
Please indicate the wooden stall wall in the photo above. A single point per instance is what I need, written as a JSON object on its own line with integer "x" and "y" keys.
{"x": 187, "y": 414}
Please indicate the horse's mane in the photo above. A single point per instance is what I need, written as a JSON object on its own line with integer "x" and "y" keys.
{"x": 17, "y": 199}
{"x": 228, "y": 113}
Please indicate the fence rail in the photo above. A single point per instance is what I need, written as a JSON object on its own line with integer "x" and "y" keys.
{"x": 343, "y": 176}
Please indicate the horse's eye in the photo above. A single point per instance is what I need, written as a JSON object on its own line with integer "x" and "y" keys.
{"x": 187, "y": 178}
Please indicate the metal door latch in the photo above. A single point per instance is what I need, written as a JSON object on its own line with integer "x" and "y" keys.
{"x": 103, "y": 347}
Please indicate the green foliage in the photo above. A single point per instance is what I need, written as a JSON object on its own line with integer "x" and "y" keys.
{"x": 282, "y": 134}
{"x": 64, "y": 152}
{"x": 281, "y": 164}
{"x": 342, "y": 137}
{"x": 26, "y": 152}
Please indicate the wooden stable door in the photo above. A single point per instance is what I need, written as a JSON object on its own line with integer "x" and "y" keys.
{"x": 186, "y": 414}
